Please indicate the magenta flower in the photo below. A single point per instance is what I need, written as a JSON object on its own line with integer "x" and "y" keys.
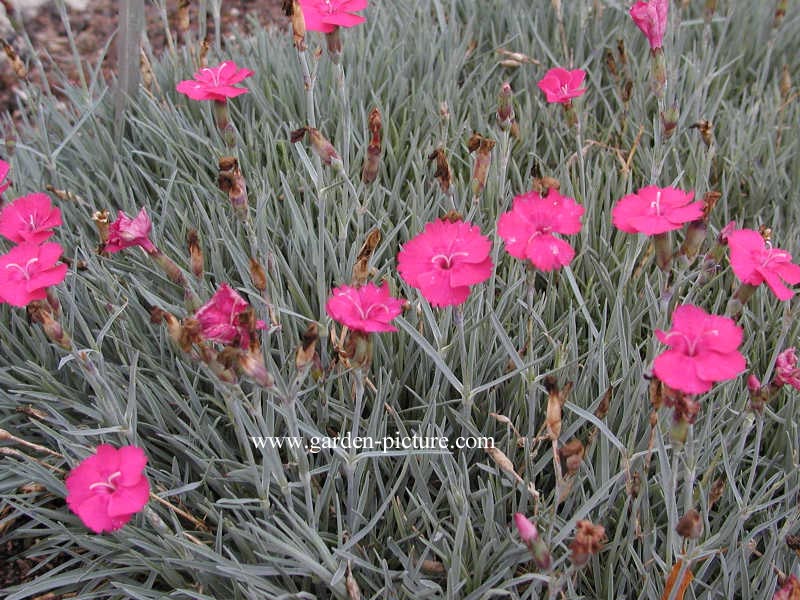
{"x": 215, "y": 83}
{"x": 367, "y": 308}
{"x": 4, "y": 169}
{"x": 651, "y": 18}
{"x": 109, "y": 487}
{"x": 445, "y": 260}
{"x": 126, "y": 232}
{"x": 754, "y": 262}
{"x": 703, "y": 350}
{"x": 27, "y": 270}
{"x": 561, "y": 86}
{"x": 29, "y": 219}
{"x": 786, "y": 371}
{"x": 653, "y": 210}
{"x": 529, "y": 227}
{"x": 327, "y": 15}
{"x": 219, "y": 318}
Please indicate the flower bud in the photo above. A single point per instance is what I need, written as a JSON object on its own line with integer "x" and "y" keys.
{"x": 658, "y": 72}
{"x": 294, "y": 11}
{"x": 16, "y": 63}
{"x": 334, "y": 41}
{"x": 372, "y": 160}
{"x": 231, "y": 181}
{"x": 358, "y": 349}
{"x": 251, "y": 363}
{"x": 483, "y": 159}
{"x": 100, "y": 219}
{"x": 319, "y": 144}
{"x": 527, "y": 530}
{"x": 505, "y": 107}
{"x": 442, "y": 172}
{"x": 195, "y": 253}
{"x": 258, "y": 275}
{"x": 669, "y": 121}
{"x": 308, "y": 348}
{"x": 690, "y": 525}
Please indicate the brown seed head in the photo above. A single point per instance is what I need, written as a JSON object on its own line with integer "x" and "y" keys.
{"x": 690, "y": 525}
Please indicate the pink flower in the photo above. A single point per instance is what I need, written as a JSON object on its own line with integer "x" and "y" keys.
{"x": 703, "y": 349}
{"x": 754, "y": 263}
{"x": 367, "y": 308}
{"x": 4, "y": 169}
{"x": 529, "y": 227}
{"x": 215, "y": 83}
{"x": 654, "y": 210}
{"x": 445, "y": 260}
{"x": 109, "y": 487}
{"x": 327, "y": 15}
{"x": 790, "y": 590}
{"x": 753, "y": 384}
{"x": 27, "y": 270}
{"x": 560, "y": 85}
{"x": 651, "y": 18}
{"x": 219, "y": 318}
{"x": 29, "y": 219}
{"x": 126, "y": 232}
{"x": 527, "y": 530}
{"x": 786, "y": 371}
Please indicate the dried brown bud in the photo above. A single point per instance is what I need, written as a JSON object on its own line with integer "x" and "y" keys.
{"x": 690, "y": 525}
{"x": 305, "y": 353}
{"x": 100, "y": 219}
{"x": 623, "y": 56}
{"x": 319, "y": 144}
{"x": 452, "y": 216}
{"x": 588, "y": 541}
{"x": 293, "y": 9}
{"x": 146, "y": 70}
{"x": 543, "y": 185}
{"x": 251, "y": 363}
{"x": 432, "y": 567}
{"x": 605, "y": 402}
{"x": 258, "y": 275}
{"x": 442, "y": 172}
{"x": 334, "y": 42}
{"x": 717, "y": 489}
{"x": 766, "y": 233}
{"x": 656, "y": 393}
{"x": 232, "y": 181}
{"x": 14, "y": 59}
{"x": 572, "y": 452}
{"x": 205, "y": 46}
{"x": 505, "y": 106}
{"x": 634, "y": 485}
{"x": 709, "y": 202}
{"x": 361, "y": 268}
{"x": 611, "y": 64}
{"x": 706, "y": 129}
{"x": 195, "y": 253}
{"x": 350, "y": 584}
{"x": 372, "y": 159}
{"x": 183, "y": 18}
{"x": 482, "y": 147}
{"x": 555, "y": 402}
{"x": 627, "y": 91}
{"x": 786, "y": 83}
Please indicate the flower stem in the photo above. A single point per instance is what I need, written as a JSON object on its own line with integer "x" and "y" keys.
{"x": 349, "y": 468}
{"x": 466, "y": 374}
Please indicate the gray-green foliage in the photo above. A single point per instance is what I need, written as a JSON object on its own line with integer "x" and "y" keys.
{"x": 592, "y": 323}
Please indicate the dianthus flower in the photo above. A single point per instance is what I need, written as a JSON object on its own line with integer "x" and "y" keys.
{"x": 703, "y": 350}
{"x": 215, "y": 83}
{"x": 219, "y": 318}
{"x": 786, "y": 371}
{"x": 651, "y": 18}
{"x": 126, "y": 232}
{"x": 445, "y": 260}
{"x": 27, "y": 270}
{"x": 561, "y": 86}
{"x": 327, "y": 15}
{"x": 529, "y": 227}
{"x": 109, "y": 487}
{"x": 754, "y": 263}
{"x": 653, "y": 210}
{"x": 30, "y": 218}
{"x": 368, "y": 308}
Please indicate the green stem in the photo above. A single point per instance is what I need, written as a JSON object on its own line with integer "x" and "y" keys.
{"x": 350, "y": 466}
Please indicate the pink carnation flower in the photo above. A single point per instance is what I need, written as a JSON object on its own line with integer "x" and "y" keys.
{"x": 327, "y": 15}
{"x": 754, "y": 263}
{"x": 651, "y": 18}
{"x": 109, "y": 487}
{"x": 215, "y": 83}
{"x": 219, "y": 318}
{"x": 529, "y": 227}
{"x": 4, "y": 169}
{"x": 126, "y": 232}
{"x": 27, "y": 270}
{"x": 786, "y": 371}
{"x": 561, "y": 86}
{"x": 703, "y": 350}
{"x": 367, "y": 308}
{"x": 29, "y": 219}
{"x": 445, "y": 260}
{"x": 653, "y": 210}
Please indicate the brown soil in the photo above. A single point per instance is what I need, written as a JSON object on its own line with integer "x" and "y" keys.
{"x": 92, "y": 28}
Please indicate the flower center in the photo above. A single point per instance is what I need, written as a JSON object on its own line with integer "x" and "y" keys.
{"x": 655, "y": 205}
{"x": 21, "y": 269}
{"x": 565, "y": 89}
{"x": 693, "y": 343}
{"x": 773, "y": 254}
{"x": 108, "y": 484}
{"x": 214, "y": 75}
{"x": 445, "y": 261}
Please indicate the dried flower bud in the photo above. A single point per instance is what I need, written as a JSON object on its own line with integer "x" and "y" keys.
{"x": 623, "y": 55}
{"x": 258, "y": 275}
{"x": 251, "y": 363}
{"x": 605, "y": 403}
{"x": 690, "y": 525}
{"x": 350, "y": 584}
{"x": 766, "y": 233}
{"x": 706, "y": 129}
{"x": 183, "y": 19}
{"x": 334, "y": 41}
{"x": 669, "y": 121}
{"x": 543, "y": 185}
{"x": 14, "y": 59}
{"x": 658, "y": 72}
{"x": 555, "y": 401}
{"x": 195, "y": 253}
{"x": 786, "y": 83}
{"x": 319, "y": 145}
{"x": 358, "y": 349}
{"x": 100, "y": 219}
{"x": 442, "y": 172}
{"x": 231, "y": 181}
{"x": 611, "y": 64}
{"x": 432, "y": 567}
{"x": 510, "y": 63}
{"x": 146, "y": 70}
{"x": 634, "y": 485}
{"x": 308, "y": 348}
{"x": 40, "y": 312}
{"x": 588, "y": 541}
{"x": 780, "y": 12}
{"x": 293, "y": 10}
{"x": 205, "y": 46}
{"x": 482, "y": 147}
{"x": 372, "y": 160}
{"x": 361, "y": 268}
{"x": 444, "y": 110}
{"x": 573, "y": 452}
{"x": 717, "y": 489}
